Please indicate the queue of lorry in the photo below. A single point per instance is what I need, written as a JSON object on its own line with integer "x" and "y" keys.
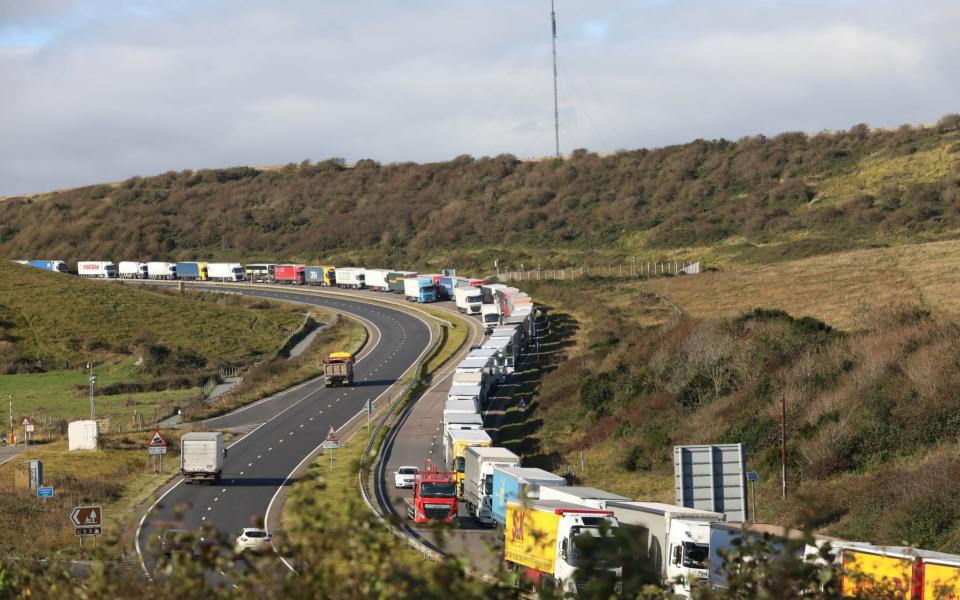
{"x": 540, "y": 519}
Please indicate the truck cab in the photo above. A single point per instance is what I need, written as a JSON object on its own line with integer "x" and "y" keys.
{"x": 490, "y": 315}
{"x": 562, "y": 545}
{"x": 338, "y": 369}
{"x": 434, "y": 497}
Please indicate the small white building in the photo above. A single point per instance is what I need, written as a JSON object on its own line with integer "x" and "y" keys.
{"x": 83, "y": 435}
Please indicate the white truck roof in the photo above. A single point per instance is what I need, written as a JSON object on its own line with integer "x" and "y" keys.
{"x": 533, "y": 475}
{"x": 467, "y": 406}
{"x": 557, "y": 505}
{"x": 493, "y": 452}
{"x": 497, "y": 344}
{"x": 482, "y": 353}
{"x": 464, "y": 390}
{"x": 577, "y": 493}
{"x": 475, "y": 362}
{"x": 469, "y": 435}
{"x": 662, "y": 508}
{"x": 460, "y": 418}
{"x": 201, "y": 436}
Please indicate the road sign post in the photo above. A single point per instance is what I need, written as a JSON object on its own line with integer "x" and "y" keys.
{"x": 331, "y": 443}
{"x": 156, "y": 449}
{"x": 27, "y": 428}
{"x": 87, "y": 520}
{"x": 44, "y": 492}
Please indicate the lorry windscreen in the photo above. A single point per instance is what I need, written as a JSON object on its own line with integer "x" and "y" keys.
{"x": 589, "y": 544}
{"x": 474, "y": 299}
{"x": 438, "y": 490}
{"x": 491, "y": 318}
{"x": 695, "y": 555}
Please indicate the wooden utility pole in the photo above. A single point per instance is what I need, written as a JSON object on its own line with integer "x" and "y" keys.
{"x": 783, "y": 442}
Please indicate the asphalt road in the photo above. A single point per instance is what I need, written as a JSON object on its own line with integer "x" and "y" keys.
{"x": 286, "y": 428}
{"x": 418, "y": 440}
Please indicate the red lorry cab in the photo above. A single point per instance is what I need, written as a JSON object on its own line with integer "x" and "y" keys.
{"x": 434, "y": 496}
{"x": 289, "y": 274}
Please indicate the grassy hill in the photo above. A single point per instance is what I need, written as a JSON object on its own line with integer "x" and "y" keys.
{"x": 152, "y": 349}
{"x": 863, "y": 345}
{"x": 754, "y": 200}
{"x": 54, "y": 318}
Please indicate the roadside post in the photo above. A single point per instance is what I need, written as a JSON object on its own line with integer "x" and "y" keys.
{"x": 157, "y": 448}
{"x": 331, "y": 443}
{"x": 27, "y": 430}
{"x": 752, "y": 477}
{"x": 87, "y": 520}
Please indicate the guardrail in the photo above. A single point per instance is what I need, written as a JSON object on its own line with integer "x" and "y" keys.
{"x": 364, "y": 472}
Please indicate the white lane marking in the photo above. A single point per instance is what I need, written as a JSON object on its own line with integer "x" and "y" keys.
{"x": 250, "y": 464}
{"x": 241, "y": 472}
{"x": 223, "y": 490}
{"x": 216, "y": 499}
{"x": 270, "y": 449}
{"x": 203, "y": 518}
{"x": 259, "y": 456}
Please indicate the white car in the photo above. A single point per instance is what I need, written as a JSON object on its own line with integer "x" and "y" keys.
{"x": 405, "y": 476}
{"x": 253, "y": 539}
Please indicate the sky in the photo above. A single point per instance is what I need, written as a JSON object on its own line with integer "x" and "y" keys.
{"x": 101, "y": 90}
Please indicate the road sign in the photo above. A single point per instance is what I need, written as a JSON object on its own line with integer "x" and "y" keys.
{"x": 154, "y": 450}
{"x": 522, "y": 407}
{"x": 91, "y": 530}
{"x": 752, "y": 476}
{"x": 157, "y": 440}
{"x": 369, "y": 406}
{"x": 87, "y": 516}
{"x": 26, "y": 421}
{"x": 28, "y": 428}
{"x": 45, "y": 491}
{"x": 332, "y": 442}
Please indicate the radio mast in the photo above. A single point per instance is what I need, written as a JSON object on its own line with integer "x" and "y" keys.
{"x": 556, "y": 112}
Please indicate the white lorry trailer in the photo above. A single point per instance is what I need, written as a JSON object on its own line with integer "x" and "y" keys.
{"x": 132, "y": 269}
{"x": 202, "y": 455}
{"x": 225, "y": 272}
{"x": 351, "y": 277}
{"x": 478, "y": 466}
{"x": 376, "y": 279}
{"x": 161, "y": 270}
{"x": 670, "y": 543}
{"x": 584, "y": 496}
{"x": 97, "y": 269}
{"x": 467, "y": 299}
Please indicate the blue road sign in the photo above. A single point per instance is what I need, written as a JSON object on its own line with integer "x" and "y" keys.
{"x": 45, "y": 491}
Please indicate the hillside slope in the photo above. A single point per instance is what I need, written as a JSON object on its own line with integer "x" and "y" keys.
{"x": 753, "y": 200}
{"x": 56, "y": 318}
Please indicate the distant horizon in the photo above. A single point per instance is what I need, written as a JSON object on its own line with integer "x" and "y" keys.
{"x": 94, "y": 91}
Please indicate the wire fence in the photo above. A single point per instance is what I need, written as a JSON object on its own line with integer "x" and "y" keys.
{"x": 632, "y": 269}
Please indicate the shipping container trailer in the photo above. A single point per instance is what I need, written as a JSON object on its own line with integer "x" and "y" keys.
{"x": 192, "y": 271}
{"x": 313, "y": 275}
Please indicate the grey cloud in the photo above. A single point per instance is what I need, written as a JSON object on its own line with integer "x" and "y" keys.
{"x": 216, "y": 84}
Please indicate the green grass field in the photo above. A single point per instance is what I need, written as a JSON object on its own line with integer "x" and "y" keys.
{"x": 54, "y": 318}
{"x": 63, "y": 394}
